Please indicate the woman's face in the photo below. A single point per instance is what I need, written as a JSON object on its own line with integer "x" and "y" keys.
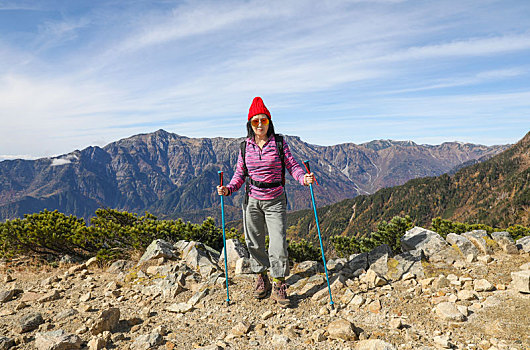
{"x": 260, "y": 124}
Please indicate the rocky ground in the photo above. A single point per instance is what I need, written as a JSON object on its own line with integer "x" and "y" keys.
{"x": 175, "y": 299}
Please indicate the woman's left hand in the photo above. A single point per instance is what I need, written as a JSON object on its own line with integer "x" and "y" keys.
{"x": 309, "y": 179}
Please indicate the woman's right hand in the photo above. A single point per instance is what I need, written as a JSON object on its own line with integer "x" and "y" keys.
{"x": 222, "y": 190}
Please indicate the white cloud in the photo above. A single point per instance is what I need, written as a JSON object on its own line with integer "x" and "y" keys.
{"x": 186, "y": 67}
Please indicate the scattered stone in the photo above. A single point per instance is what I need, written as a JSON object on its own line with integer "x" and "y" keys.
{"x": 441, "y": 282}
{"x": 486, "y": 259}
{"x": 85, "y": 297}
{"x": 466, "y": 295}
{"x": 374, "y": 306}
{"x": 342, "y": 329}
{"x": 65, "y": 314}
{"x": 319, "y": 335}
{"x": 241, "y": 328}
{"x": 51, "y": 296}
{"x": 483, "y": 285}
{"x": 373, "y": 344}
{"x": 243, "y": 266}
{"x": 408, "y": 276}
{"x": 7, "y": 295}
{"x": 194, "y": 300}
{"x": 266, "y": 315}
{"x": 201, "y": 258}
{"x": 356, "y": 302}
{"x": 119, "y": 266}
{"x": 523, "y": 244}
{"x": 107, "y": 321}
{"x": 395, "y": 323}
{"x": 30, "y": 322}
{"x": 372, "y": 279}
{"x": 235, "y": 250}
{"x": 181, "y": 308}
{"x": 6, "y": 343}
{"x": 462, "y": 245}
{"x": 478, "y": 238}
{"x": 280, "y": 339}
{"x": 147, "y": 341}
{"x": 347, "y": 296}
{"x": 8, "y": 278}
{"x": 442, "y": 341}
{"x": 448, "y": 312}
{"x": 505, "y": 241}
{"x": 96, "y": 343}
{"x": 525, "y": 266}
{"x": 521, "y": 281}
{"x": 335, "y": 265}
{"x": 158, "y": 249}
{"x": 49, "y": 281}
{"x": 57, "y": 340}
{"x": 308, "y": 268}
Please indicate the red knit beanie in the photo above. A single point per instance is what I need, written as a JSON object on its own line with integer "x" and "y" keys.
{"x": 258, "y": 107}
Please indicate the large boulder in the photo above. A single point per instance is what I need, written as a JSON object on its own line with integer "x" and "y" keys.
{"x": 434, "y": 247}
{"x": 57, "y": 340}
{"x": 107, "y": 321}
{"x": 201, "y": 257}
{"x": 158, "y": 249}
{"x": 462, "y": 245}
{"x": 358, "y": 262}
{"x": 521, "y": 281}
{"x": 524, "y": 244}
{"x": 505, "y": 241}
{"x": 480, "y": 239}
{"x": 234, "y": 251}
{"x": 378, "y": 259}
{"x": 407, "y": 262}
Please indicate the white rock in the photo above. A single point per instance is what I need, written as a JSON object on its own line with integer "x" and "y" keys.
{"x": 521, "y": 281}
{"x": 483, "y": 285}
{"x": 447, "y": 311}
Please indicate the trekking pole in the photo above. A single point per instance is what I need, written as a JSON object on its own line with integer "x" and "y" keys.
{"x": 306, "y": 163}
{"x": 224, "y": 238}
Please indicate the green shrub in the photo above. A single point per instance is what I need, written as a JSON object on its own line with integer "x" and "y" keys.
{"x": 303, "y": 251}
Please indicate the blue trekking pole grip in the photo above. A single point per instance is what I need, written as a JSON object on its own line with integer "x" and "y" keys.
{"x": 224, "y": 238}
{"x": 306, "y": 163}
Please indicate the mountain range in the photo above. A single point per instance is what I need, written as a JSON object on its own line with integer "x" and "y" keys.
{"x": 495, "y": 192}
{"x": 175, "y": 176}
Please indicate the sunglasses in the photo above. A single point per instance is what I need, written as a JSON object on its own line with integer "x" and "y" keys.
{"x": 255, "y": 122}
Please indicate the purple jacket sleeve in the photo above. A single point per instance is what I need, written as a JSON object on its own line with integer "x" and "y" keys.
{"x": 237, "y": 180}
{"x": 292, "y": 165}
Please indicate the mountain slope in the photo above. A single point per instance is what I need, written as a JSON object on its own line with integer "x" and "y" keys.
{"x": 175, "y": 176}
{"x": 495, "y": 192}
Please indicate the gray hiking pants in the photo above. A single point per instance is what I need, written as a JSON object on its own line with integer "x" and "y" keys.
{"x": 270, "y": 214}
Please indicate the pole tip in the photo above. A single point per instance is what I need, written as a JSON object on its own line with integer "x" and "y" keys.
{"x": 228, "y": 303}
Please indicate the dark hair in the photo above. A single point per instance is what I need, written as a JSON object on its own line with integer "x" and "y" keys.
{"x": 250, "y": 131}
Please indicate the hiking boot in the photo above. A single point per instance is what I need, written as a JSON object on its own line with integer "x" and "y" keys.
{"x": 263, "y": 286}
{"x": 279, "y": 293}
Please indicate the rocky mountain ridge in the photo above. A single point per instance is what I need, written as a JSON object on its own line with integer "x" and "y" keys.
{"x": 470, "y": 291}
{"x": 495, "y": 192}
{"x": 173, "y": 176}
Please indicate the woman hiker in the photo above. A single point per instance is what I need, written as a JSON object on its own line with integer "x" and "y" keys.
{"x": 264, "y": 162}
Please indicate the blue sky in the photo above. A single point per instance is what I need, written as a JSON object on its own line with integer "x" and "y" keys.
{"x": 81, "y": 73}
